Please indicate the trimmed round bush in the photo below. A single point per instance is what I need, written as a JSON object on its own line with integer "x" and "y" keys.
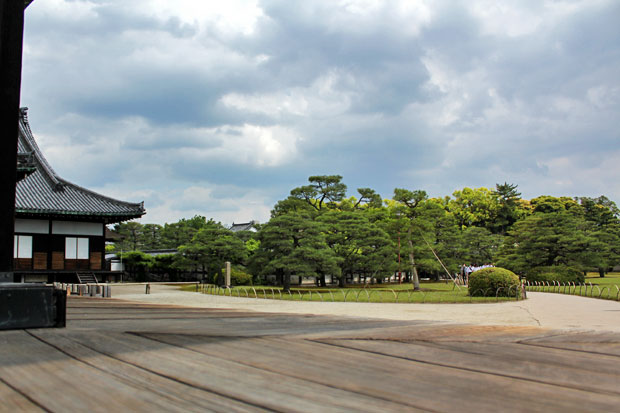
{"x": 491, "y": 281}
{"x": 562, "y": 274}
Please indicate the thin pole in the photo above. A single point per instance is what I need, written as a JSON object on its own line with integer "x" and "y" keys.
{"x": 400, "y": 279}
{"x": 444, "y": 267}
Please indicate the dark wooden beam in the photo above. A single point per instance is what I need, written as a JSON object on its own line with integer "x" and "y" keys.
{"x": 11, "y": 38}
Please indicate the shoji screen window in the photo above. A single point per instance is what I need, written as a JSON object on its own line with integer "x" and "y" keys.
{"x": 22, "y": 246}
{"x": 76, "y": 248}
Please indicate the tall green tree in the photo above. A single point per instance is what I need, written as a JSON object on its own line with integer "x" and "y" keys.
{"x": 130, "y": 236}
{"x": 179, "y": 233}
{"x": 209, "y": 249}
{"x": 605, "y": 253}
{"x": 294, "y": 243}
{"x": 151, "y": 237}
{"x": 547, "y": 204}
{"x": 409, "y": 208}
{"x": 479, "y": 245}
{"x": 601, "y": 211}
{"x": 475, "y": 207}
{"x": 604, "y": 218}
{"x": 293, "y": 204}
{"x": 363, "y": 247}
{"x": 546, "y": 239}
{"x": 324, "y": 191}
{"x": 509, "y": 209}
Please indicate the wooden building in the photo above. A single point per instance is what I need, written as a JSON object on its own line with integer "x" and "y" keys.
{"x": 59, "y": 226}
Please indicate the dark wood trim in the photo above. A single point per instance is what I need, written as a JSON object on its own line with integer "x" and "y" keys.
{"x": 11, "y": 40}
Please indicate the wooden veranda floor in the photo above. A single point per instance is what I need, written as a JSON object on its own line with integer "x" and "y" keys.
{"x": 120, "y": 356}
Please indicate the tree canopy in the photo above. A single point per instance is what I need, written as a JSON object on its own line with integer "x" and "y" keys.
{"x": 318, "y": 231}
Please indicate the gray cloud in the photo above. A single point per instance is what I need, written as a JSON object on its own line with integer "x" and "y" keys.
{"x": 226, "y": 116}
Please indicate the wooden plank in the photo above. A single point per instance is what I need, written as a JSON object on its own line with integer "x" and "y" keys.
{"x": 239, "y": 323}
{"x": 484, "y": 340}
{"x": 530, "y": 369}
{"x": 176, "y": 359}
{"x": 546, "y": 356}
{"x": 60, "y": 383}
{"x": 394, "y": 377}
{"x": 590, "y": 342}
{"x": 440, "y": 332}
{"x": 155, "y": 315}
{"x": 13, "y": 401}
{"x": 235, "y": 380}
{"x": 185, "y": 397}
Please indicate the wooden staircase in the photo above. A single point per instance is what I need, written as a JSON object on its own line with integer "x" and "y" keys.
{"x": 86, "y": 278}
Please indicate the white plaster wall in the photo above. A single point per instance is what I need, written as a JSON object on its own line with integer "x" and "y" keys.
{"x": 32, "y": 226}
{"x": 77, "y": 228}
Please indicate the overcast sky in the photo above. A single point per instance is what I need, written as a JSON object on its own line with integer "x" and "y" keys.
{"x": 221, "y": 108}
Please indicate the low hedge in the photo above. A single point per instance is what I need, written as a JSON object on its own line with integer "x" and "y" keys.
{"x": 561, "y": 274}
{"x": 491, "y": 281}
{"x": 237, "y": 277}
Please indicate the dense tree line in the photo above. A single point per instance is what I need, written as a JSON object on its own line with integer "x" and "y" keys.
{"x": 318, "y": 231}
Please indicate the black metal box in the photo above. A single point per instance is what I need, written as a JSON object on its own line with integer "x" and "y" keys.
{"x": 31, "y": 306}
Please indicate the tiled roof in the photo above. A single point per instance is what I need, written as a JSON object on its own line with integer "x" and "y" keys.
{"x": 25, "y": 165}
{"x": 45, "y": 193}
{"x": 247, "y": 226}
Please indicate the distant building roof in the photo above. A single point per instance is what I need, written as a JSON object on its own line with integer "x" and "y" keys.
{"x": 247, "y": 226}
{"x": 43, "y": 193}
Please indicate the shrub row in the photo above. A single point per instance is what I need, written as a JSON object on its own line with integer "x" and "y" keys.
{"x": 556, "y": 273}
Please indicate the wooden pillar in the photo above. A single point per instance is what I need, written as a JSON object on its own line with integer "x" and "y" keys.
{"x": 11, "y": 38}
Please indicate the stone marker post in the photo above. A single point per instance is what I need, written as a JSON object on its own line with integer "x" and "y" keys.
{"x": 227, "y": 273}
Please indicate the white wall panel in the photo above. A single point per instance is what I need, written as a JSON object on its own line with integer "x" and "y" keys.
{"x": 32, "y": 226}
{"x": 77, "y": 228}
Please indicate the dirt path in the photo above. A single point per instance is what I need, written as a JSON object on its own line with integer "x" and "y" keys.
{"x": 540, "y": 309}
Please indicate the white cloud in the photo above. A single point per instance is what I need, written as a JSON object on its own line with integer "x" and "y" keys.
{"x": 69, "y": 11}
{"x": 199, "y": 200}
{"x": 604, "y": 96}
{"x": 179, "y": 102}
{"x": 228, "y": 17}
{"x": 330, "y": 95}
{"x": 506, "y": 18}
{"x": 358, "y": 16}
{"x": 260, "y": 146}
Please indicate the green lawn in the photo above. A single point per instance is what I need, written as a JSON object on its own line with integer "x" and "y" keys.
{"x": 607, "y": 287}
{"x": 612, "y": 278}
{"x": 376, "y": 293}
{"x": 431, "y": 292}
